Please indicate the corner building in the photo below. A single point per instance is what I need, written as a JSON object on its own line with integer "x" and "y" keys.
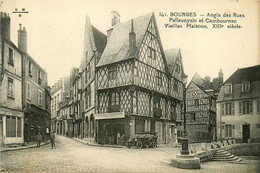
{"x": 135, "y": 90}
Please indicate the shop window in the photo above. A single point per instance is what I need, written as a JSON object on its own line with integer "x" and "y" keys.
{"x": 19, "y": 127}
{"x": 10, "y": 126}
{"x": 139, "y": 125}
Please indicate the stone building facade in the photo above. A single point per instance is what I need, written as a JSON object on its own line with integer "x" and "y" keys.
{"x": 238, "y": 106}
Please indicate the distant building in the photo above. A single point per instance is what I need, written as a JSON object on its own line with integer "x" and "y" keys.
{"x": 60, "y": 94}
{"x": 238, "y": 106}
{"x": 201, "y": 98}
{"x": 136, "y": 92}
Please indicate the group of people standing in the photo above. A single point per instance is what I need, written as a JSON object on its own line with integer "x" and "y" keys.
{"x": 52, "y": 139}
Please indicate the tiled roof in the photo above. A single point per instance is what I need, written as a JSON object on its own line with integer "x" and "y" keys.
{"x": 100, "y": 39}
{"x": 171, "y": 56}
{"x": 197, "y": 79}
{"x": 117, "y": 48}
{"x": 245, "y": 74}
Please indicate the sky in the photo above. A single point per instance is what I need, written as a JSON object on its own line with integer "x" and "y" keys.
{"x": 55, "y": 32}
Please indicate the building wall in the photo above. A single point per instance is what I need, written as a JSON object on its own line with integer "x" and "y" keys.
{"x": 11, "y": 105}
{"x": 237, "y": 119}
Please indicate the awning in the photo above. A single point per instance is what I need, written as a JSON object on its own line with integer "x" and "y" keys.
{"x": 114, "y": 115}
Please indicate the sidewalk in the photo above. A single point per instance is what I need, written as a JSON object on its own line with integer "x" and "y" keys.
{"x": 33, "y": 145}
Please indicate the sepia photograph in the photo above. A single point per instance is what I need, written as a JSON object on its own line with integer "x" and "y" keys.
{"x": 133, "y": 86}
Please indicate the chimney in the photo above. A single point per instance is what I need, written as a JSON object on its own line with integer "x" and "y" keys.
{"x": 115, "y": 19}
{"x": 5, "y": 26}
{"x": 132, "y": 39}
{"x": 220, "y": 76}
{"x": 22, "y": 38}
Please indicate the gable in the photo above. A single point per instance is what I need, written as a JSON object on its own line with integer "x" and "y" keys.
{"x": 151, "y": 51}
{"x": 117, "y": 48}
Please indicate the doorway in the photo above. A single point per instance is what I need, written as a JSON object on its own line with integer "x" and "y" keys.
{"x": 246, "y": 133}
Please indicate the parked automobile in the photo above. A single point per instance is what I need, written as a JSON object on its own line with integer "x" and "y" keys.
{"x": 142, "y": 140}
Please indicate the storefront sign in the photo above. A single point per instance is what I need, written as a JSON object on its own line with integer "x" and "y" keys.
{"x": 110, "y": 115}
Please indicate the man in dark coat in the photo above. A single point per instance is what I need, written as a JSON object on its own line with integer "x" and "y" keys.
{"x": 52, "y": 135}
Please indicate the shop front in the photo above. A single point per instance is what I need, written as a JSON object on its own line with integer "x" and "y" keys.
{"x": 112, "y": 128}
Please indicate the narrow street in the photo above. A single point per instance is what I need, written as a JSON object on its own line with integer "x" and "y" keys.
{"x": 73, "y": 156}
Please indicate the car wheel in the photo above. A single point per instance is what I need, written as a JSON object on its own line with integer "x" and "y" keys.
{"x": 128, "y": 145}
{"x": 154, "y": 144}
{"x": 139, "y": 144}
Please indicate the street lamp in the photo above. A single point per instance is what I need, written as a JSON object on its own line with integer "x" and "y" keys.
{"x": 184, "y": 139}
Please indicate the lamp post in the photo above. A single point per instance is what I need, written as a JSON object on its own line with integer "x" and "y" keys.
{"x": 184, "y": 139}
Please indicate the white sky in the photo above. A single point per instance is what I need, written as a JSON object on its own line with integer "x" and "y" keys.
{"x": 55, "y": 30}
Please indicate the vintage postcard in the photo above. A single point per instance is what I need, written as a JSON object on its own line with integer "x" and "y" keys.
{"x": 130, "y": 86}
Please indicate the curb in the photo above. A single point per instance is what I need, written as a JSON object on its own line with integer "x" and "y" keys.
{"x": 97, "y": 145}
{"x": 24, "y": 147}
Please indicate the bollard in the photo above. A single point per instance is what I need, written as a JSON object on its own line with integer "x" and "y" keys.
{"x": 204, "y": 146}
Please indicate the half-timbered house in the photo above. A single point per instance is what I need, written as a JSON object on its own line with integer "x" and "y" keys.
{"x": 135, "y": 90}
{"x": 201, "y": 110}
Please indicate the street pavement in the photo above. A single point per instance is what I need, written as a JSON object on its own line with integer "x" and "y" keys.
{"x": 73, "y": 156}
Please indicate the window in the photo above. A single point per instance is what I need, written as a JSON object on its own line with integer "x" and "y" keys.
{"x": 228, "y": 131}
{"x": 245, "y": 86}
{"x": 175, "y": 86}
{"x": 88, "y": 97}
{"x": 196, "y": 102}
{"x": 112, "y": 73}
{"x": 192, "y": 117}
{"x": 114, "y": 99}
{"x": 10, "y": 92}
{"x": 10, "y": 126}
{"x": 152, "y": 127}
{"x": 114, "y": 102}
{"x": 246, "y": 107}
{"x": 229, "y": 108}
{"x": 159, "y": 78}
{"x": 39, "y": 77}
{"x": 11, "y": 57}
{"x": 151, "y": 53}
{"x": 178, "y": 68}
{"x": 29, "y": 91}
{"x": 139, "y": 126}
{"x": 40, "y": 98}
{"x": 228, "y": 89}
{"x": 30, "y": 69}
{"x": 19, "y": 127}
{"x": 222, "y": 109}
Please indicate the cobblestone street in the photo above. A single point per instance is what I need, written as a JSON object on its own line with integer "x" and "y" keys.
{"x": 73, "y": 156}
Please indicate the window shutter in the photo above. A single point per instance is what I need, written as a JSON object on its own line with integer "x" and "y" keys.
{"x": 250, "y": 107}
{"x": 240, "y": 107}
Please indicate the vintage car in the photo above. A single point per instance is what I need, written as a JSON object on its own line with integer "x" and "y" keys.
{"x": 142, "y": 140}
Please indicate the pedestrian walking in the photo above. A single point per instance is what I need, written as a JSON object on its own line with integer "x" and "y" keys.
{"x": 52, "y": 135}
{"x": 39, "y": 139}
